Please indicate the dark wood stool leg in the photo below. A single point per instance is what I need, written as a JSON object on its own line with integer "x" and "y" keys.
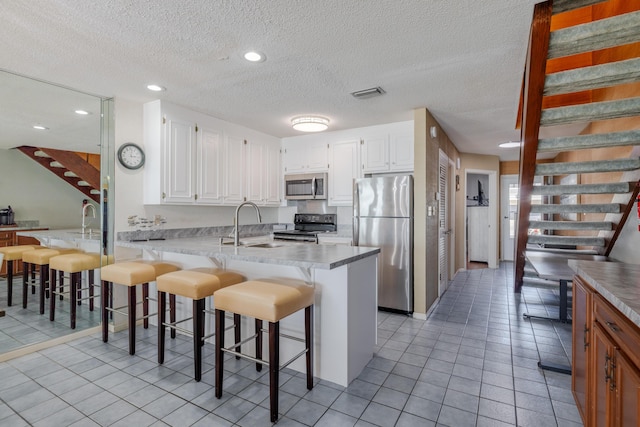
{"x": 104, "y": 296}
{"x": 145, "y": 305}
{"x": 79, "y": 289}
{"x": 91, "y": 290}
{"x": 9, "y": 283}
{"x": 258, "y": 324}
{"x": 43, "y": 285}
{"x": 219, "y": 354}
{"x": 61, "y": 277}
{"x": 25, "y": 286}
{"x": 46, "y": 280}
{"x": 131, "y": 314}
{"x": 52, "y": 289}
{"x": 162, "y": 317}
{"x": 308, "y": 340}
{"x": 274, "y": 368}
{"x": 236, "y": 332}
{"x": 172, "y": 313}
{"x": 31, "y": 268}
{"x": 75, "y": 280}
{"x": 198, "y": 323}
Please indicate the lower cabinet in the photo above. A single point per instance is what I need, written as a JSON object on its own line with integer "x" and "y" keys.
{"x": 606, "y": 357}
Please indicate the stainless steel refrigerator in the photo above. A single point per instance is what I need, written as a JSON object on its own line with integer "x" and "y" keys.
{"x": 383, "y": 217}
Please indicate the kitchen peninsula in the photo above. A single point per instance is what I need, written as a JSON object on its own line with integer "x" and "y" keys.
{"x": 345, "y": 280}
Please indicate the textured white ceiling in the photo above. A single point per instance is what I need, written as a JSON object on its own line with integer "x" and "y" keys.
{"x": 462, "y": 59}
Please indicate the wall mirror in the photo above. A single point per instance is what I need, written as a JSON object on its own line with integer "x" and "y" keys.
{"x": 38, "y": 114}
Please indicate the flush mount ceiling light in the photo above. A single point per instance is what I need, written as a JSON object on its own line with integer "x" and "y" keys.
{"x": 310, "y": 123}
{"x": 253, "y": 56}
{"x": 40, "y": 127}
{"x": 155, "y": 88}
{"x": 510, "y": 144}
{"x": 82, "y": 112}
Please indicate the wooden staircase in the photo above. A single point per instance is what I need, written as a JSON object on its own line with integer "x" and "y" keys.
{"x": 74, "y": 168}
{"x": 603, "y": 162}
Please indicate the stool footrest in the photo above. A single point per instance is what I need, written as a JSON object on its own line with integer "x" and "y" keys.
{"x": 261, "y": 361}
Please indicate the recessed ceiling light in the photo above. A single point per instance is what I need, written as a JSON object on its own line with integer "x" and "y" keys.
{"x": 82, "y": 112}
{"x": 40, "y": 127}
{"x": 310, "y": 123}
{"x": 510, "y": 144}
{"x": 155, "y": 88}
{"x": 253, "y": 56}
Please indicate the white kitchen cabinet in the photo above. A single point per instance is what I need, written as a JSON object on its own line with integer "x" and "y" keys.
{"x": 184, "y": 158}
{"x": 305, "y": 156}
{"x": 263, "y": 172}
{"x": 234, "y": 164}
{"x": 391, "y": 152}
{"x": 344, "y": 167}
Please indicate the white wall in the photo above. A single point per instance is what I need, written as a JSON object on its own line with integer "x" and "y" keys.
{"x": 34, "y": 193}
{"x": 626, "y": 247}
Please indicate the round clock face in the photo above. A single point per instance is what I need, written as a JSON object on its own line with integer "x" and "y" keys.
{"x": 131, "y": 156}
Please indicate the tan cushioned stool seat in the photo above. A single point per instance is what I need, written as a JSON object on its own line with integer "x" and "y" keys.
{"x": 42, "y": 256}
{"x": 74, "y": 263}
{"x": 264, "y": 300}
{"x": 197, "y": 283}
{"x": 12, "y": 253}
{"x": 133, "y": 273}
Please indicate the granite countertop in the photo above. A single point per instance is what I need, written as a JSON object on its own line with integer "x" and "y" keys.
{"x": 71, "y": 235}
{"x": 306, "y": 255}
{"x": 617, "y": 282}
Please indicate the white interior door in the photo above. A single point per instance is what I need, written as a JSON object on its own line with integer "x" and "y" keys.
{"x": 509, "y": 192}
{"x": 444, "y": 230}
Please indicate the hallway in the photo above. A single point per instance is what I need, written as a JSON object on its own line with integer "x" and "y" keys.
{"x": 473, "y": 362}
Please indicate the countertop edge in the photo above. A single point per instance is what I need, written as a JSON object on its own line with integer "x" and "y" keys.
{"x": 617, "y": 278}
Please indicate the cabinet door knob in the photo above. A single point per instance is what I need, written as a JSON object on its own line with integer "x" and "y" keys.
{"x": 613, "y": 326}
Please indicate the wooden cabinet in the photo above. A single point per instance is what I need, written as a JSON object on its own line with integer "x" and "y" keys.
{"x": 581, "y": 342}
{"x": 7, "y": 238}
{"x": 10, "y": 238}
{"x": 606, "y": 359}
{"x": 343, "y": 169}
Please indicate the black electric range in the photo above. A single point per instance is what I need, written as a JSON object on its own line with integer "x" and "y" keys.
{"x": 307, "y": 227}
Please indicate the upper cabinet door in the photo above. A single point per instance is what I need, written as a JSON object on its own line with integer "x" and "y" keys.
{"x": 180, "y": 142}
{"x": 209, "y": 161}
{"x": 375, "y": 154}
{"x": 234, "y": 161}
{"x": 318, "y": 154}
{"x": 401, "y": 152}
{"x": 304, "y": 156}
{"x": 343, "y": 169}
{"x": 255, "y": 171}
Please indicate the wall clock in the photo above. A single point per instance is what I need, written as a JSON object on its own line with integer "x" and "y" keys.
{"x": 131, "y": 156}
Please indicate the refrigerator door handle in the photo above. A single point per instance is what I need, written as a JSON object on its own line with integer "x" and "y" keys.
{"x": 356, "y": 215}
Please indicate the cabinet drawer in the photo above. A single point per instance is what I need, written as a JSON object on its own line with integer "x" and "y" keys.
{"x": 6, "y": 235}
{"x": 624, "y": 333}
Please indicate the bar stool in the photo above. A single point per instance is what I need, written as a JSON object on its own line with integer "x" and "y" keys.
{"x": 196, "y": 284}
{"x": 74, "y": 265}
{"x": 11, "y": 254}
{"x": 40, "y": 258}
{"x": 131, "y": 274}
{"x": 271, "y": 302}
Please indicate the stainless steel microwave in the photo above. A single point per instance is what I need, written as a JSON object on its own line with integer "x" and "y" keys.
{"x": 308, "y": 186}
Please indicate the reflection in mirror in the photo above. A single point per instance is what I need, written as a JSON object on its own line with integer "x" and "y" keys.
{"x": 50, "y": 156}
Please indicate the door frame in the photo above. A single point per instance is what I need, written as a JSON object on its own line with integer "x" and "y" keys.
{"x": 492, "y": 244}
{"x": 504, "y": 198}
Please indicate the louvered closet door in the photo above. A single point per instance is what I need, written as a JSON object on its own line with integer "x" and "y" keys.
{"x": 443, "y": 225}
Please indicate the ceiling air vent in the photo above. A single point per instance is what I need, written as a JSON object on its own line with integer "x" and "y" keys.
{"x": 368, "y": 93}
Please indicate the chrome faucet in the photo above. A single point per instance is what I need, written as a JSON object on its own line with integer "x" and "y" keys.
{"x": 236, "y": 234}
{"x": 85, "y": 208}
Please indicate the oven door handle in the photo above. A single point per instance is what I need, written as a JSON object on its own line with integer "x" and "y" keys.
{"x": 313, "y": 187}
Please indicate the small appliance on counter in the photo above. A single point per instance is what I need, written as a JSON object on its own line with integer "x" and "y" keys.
{"x": 307, "y": 227}
{"x": 6, "y": 216}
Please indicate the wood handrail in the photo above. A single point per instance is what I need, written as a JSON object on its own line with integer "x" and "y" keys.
{"x": 535, "y": 72}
